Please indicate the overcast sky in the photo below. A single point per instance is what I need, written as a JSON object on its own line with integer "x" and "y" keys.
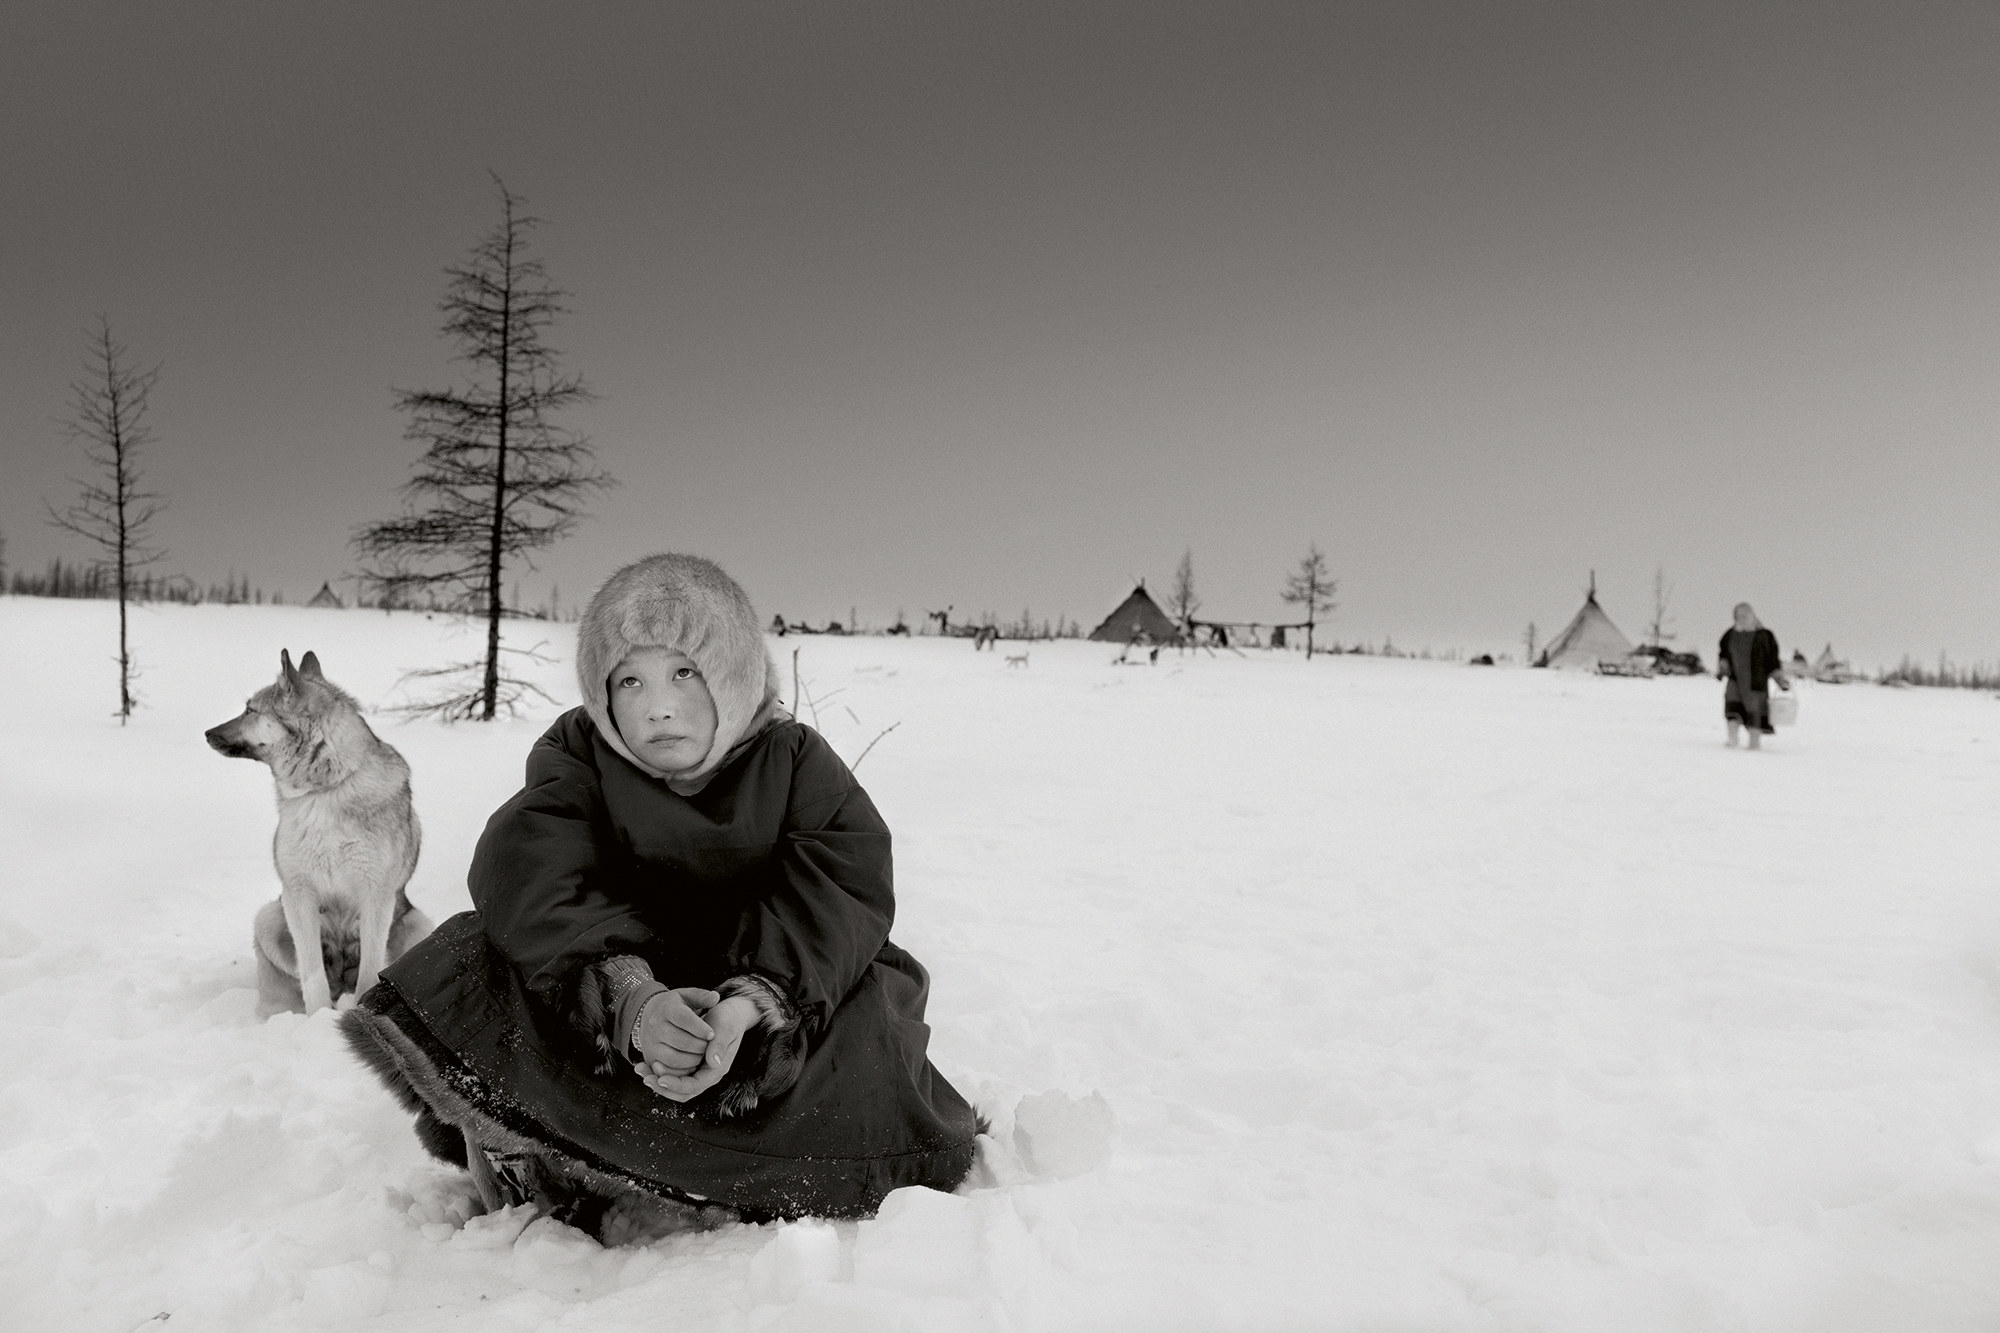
{"x": 1006, "y": 305}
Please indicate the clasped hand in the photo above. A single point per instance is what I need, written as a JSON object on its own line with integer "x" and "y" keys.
{"x": 687, "y": 1040}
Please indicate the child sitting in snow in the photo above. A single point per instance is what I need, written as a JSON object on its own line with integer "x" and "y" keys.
{"x": 677, "y": 1000}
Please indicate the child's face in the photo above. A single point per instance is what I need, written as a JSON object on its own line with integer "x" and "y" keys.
{"x": 662, "y": 708}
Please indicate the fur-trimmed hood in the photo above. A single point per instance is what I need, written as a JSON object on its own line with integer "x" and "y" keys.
{"x": 686, "y": 604}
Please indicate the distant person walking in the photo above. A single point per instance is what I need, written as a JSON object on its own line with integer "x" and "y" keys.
{"x": 1747, "y": 658}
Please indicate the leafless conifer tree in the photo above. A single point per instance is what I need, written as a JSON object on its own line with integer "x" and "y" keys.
{"x": 1312, "y": 587}
{"x": 1659, "y": 630}
{"x": 113, "y": 511}
{"x": 1182, "y": 600}
{"x": 497, "y": 480}
{"x": 1529, "y": 640}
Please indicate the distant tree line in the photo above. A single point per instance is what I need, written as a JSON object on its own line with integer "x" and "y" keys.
{"x": 372, "y": 594}
{"x": 1947, "y": 674}
{"x": 90, "y": 579}
{"x": 1023, "y": 626}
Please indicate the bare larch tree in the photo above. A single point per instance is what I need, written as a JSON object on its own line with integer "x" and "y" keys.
{"x": 1312, "y": 587}
{"x": 498, "y": 479}
{"x": 1182, "y": 601}
{"x": 113, "y": 511}
{"x": 1660, "y": 629}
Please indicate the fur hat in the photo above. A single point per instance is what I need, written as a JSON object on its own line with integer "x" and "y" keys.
{"x": 687, "y": 604}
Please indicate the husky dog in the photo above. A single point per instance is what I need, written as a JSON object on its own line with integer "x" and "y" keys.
{"x": 346, "y": 842}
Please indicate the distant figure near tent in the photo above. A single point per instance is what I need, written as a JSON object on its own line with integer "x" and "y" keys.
{"x": 1589, "y": 638}
{"x": 1136, "y": 615}
{"x": 326, "y": 596}
{"x": 1748, "y": 660}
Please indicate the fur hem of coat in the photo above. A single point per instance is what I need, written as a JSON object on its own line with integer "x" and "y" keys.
{"x": 865, "y": 1116}
{"x": 431, "y": 1084}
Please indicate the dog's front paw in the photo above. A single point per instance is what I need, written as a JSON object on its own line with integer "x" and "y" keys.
{"x": 347, "y": 1001}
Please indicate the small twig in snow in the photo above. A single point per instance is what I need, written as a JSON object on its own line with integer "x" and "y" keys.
{"x": 871, "y": 745}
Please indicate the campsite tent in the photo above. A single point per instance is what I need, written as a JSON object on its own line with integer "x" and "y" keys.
{"x": 1590, "y": 638}
{"x": 1830, "y": 668}
{"x": 326, "y": 596}
{"x": 1136, "y": 615}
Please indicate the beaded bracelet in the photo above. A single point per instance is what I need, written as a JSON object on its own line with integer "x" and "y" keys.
{"x": 638, "y": 1021}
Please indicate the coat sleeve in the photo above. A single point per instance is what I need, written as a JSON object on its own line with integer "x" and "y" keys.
{"x": 830, "y": 901}
{"x": 539, "y": 876}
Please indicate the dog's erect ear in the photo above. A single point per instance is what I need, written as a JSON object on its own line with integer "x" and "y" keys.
{"x": 309, "y": 667}
{"x": 286, "y": 671}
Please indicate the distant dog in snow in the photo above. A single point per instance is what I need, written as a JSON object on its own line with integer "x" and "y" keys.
{"x": 346, "y": 843}
{"x": 1017, "y": 659}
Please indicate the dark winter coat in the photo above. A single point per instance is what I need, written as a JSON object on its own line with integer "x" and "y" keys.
{"x": 777, "y": 869}
{"x": 1764, "y": 659}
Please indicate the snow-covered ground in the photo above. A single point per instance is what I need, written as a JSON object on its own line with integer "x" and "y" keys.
{"x": 1352, "y": 994}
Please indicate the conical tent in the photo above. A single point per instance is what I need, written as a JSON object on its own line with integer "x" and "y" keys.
{"x": 326, "y": 596}
{"x": 1828, "y": 667}
{"x": 1137, "y": 614}
{"x": 1590, "y": 638}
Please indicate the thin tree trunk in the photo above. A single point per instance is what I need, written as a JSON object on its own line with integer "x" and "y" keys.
{"x": 491, "y": 689}
{"x": 124, "y": 654}
{"x": 124, "y": 537}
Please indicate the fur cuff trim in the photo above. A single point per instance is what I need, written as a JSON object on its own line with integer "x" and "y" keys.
{"x": 767, "y": 1063}
{"x": 592, "y": 1010}
{"x": 773, "y": 1050}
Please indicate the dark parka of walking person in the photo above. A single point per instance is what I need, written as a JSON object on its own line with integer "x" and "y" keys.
{"x": 1747, "y": 659}
{"x": 676, "y": 1002}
